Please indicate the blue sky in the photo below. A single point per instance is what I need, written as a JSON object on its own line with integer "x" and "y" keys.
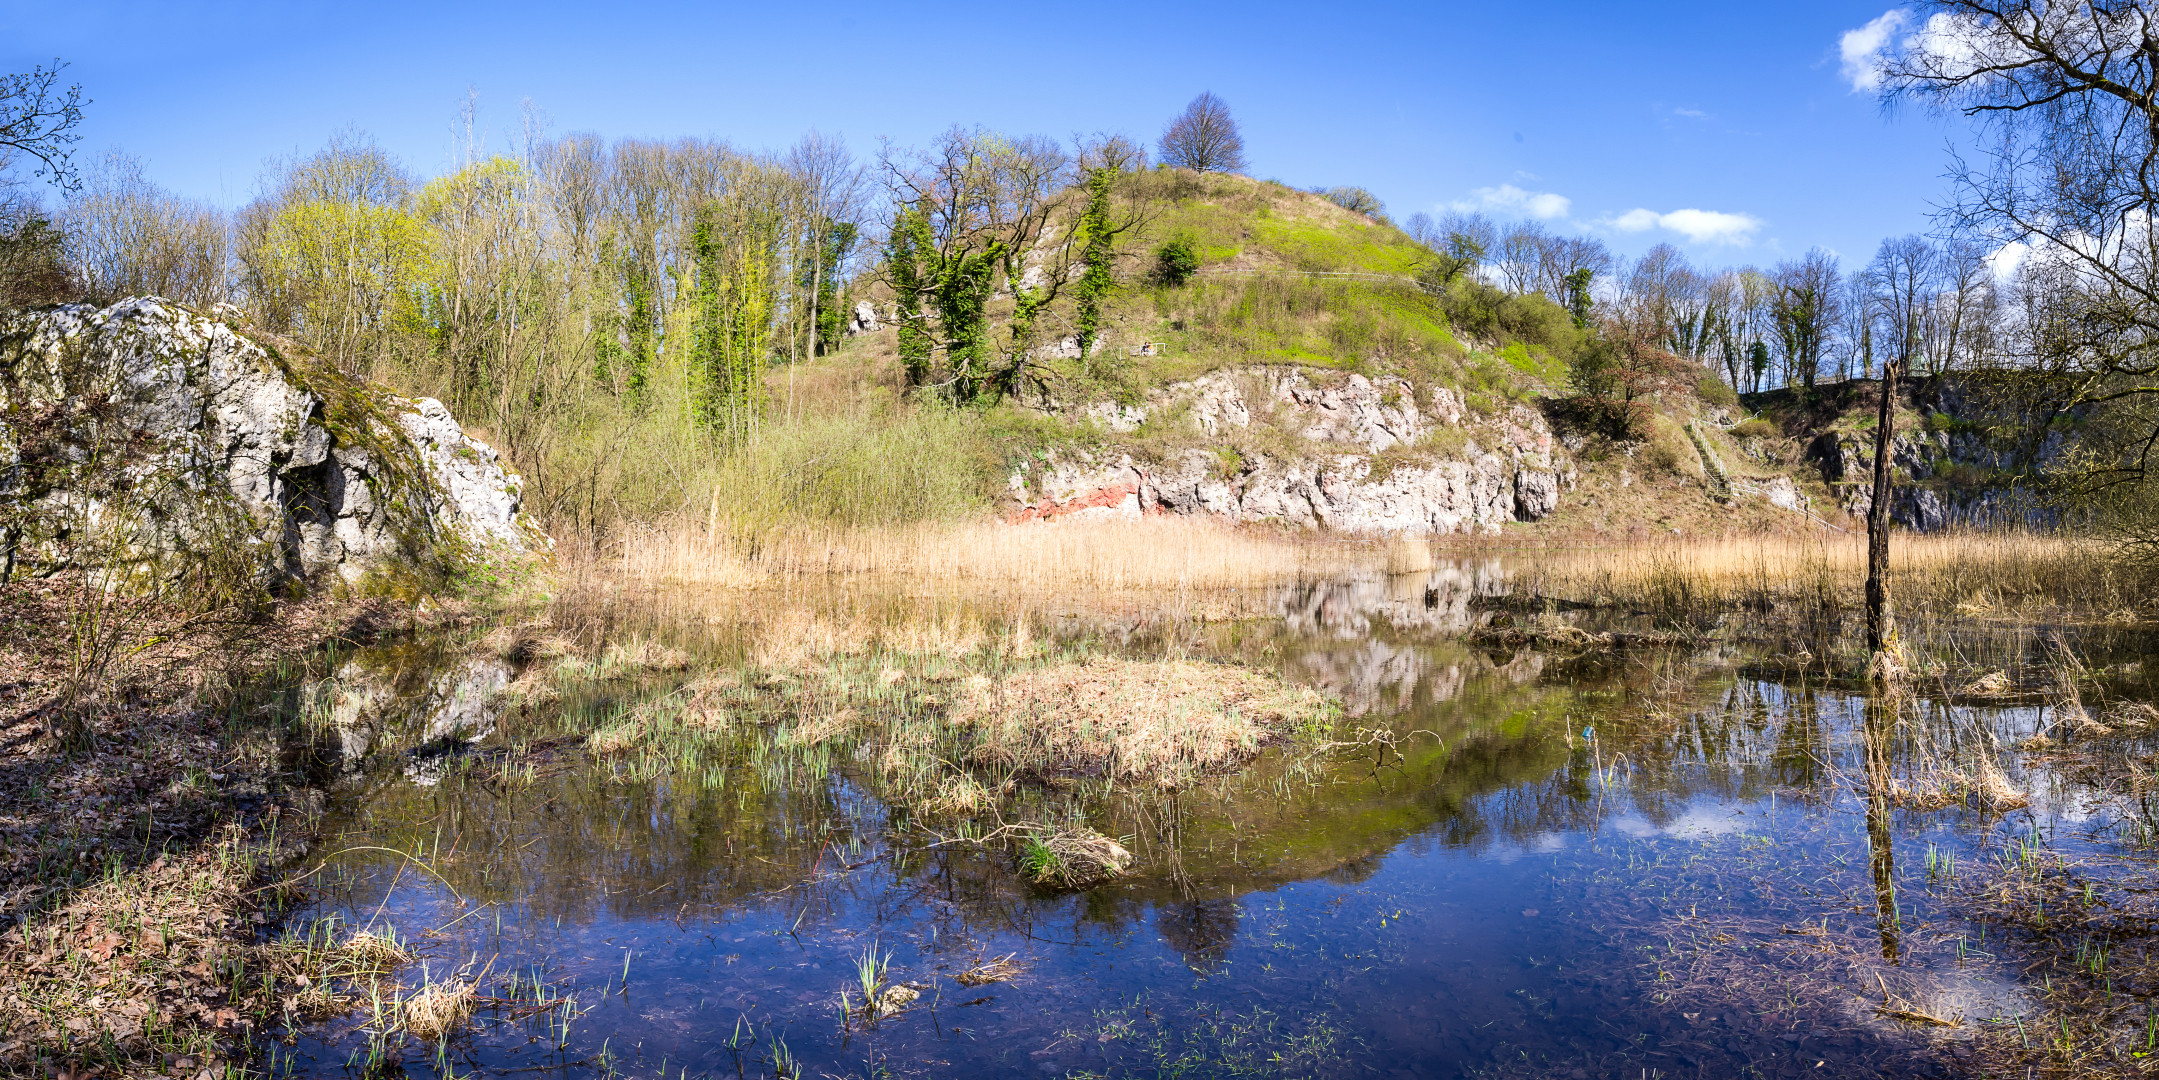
{"x": 1729, "y": 129}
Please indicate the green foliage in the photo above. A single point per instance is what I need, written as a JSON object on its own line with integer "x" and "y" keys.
{"x": 1714, "y": 390}
{"x": 910, "y": 245}
{"x": 819, "y": 277}
{"x": 733, "y": 249}
{"x": 1039, "y": 862}
{"x": 1096, "y": 240}
{"x": 885, "y": 465}
{"x": 628, "y": 336}
{"x": 1329, "y": 322}
{"x": 1579, "y": 303}
{"x": 1485, "y": 313}
{"x": 1615, "y": 376}
{"x": 1756, "y": 427}
{"x": 1176, "y": 261}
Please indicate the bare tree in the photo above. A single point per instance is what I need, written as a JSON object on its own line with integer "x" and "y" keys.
{"x": 1204, "y": 138}
{"x": 1117, "y": 153}
{"x": 1356, "y": 200}
{"x": 1423, "y": 230}
{"x": 1675, "y": 299}
{"x": 2065, "y": 100}
{"x": 128, "y": 237}
{"x": 1467, "y": 242}
{"x": 1520, "y": 254}
{"x": 1959, "y": 327}
{"x": 831, "y": 185}
{"x": 574, "y": 169}
{"x": 38, "y": 119}
{"x": 1903, "y": 275}
{"x": 1564, "y": 258}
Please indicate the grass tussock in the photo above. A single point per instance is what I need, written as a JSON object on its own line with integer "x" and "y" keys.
{"x": 438, "y": 1012}
{"x": 995, "y": 970}
{"x": 946, "y": 737}
{"x": 1151, "y": 722}
{"x": 1074, "y": 858}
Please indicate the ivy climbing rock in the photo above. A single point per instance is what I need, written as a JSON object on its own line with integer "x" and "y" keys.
{"x": 151, "y": 442}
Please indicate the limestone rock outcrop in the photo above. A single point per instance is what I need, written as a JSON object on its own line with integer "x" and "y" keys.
{"x": 155, "y": 437}
{"x": 1368, "y": 457}
{"x": 1923, "y": 463}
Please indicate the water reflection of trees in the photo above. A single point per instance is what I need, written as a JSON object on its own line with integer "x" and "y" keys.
{"x": 1483, "y": 750}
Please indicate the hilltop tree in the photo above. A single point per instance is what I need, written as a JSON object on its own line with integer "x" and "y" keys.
{"x": 1203, "y": 138}
{"x": 1356, "y": 200}
{"x": 974, "y": 214}
{"x": 1117, "y": 153}
{"x": 1804, "y": 311}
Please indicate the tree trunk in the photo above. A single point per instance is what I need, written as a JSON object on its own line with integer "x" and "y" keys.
{"x": 1881, "y": 611}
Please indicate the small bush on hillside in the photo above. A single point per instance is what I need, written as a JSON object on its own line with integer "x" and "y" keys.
{"x": 1176, "y": 261}
{"x": 1616, "y": 375}
{"x": 1356, "y": 200}
{"x": 1662, "y": 457}
{"x": 1494, "y": 315}
{"x": 1755, "y": 427}
{"x": 1713, "y": 390}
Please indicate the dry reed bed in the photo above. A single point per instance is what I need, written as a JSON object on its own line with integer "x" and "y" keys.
{"x": 1969, "y": 575}
{"x": 1151, "y": 554}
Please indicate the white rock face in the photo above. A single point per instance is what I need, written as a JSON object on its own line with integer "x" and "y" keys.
{"x": 1505, "y": 469}
{"x": 864, "y": 319}
{"x": 200, "y": 438}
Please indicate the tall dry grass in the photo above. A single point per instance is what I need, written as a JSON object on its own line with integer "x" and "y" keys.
{"x": 1151, "y": 554}
{"x": 2007, "y": 574}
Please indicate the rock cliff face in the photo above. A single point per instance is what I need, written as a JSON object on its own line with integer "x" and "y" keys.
{"x": 1924, "y": 464}
{"x": 1364, "y": 455}
{"x": 150, "y": 437}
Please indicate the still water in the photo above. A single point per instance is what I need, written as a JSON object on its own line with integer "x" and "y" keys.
{"x": 1655, "y": 864}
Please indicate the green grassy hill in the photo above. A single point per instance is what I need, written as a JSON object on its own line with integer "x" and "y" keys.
{"x": 1349, "y": 365}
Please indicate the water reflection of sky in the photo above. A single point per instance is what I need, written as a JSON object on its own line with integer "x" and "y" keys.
{"x": 1481, "y": 906}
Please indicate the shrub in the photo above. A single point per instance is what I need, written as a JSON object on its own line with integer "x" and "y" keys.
{"x": 1176, "y": 261}
{"x": 1498, "y": 317}
{"x": 887, "y": 467}
{"x": 1662, "y": 456}
{"x": 1755, "y": 427}
{"x": 1715, "y": 391}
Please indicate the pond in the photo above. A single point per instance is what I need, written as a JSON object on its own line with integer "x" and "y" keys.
{"x": 1683, "y": 861}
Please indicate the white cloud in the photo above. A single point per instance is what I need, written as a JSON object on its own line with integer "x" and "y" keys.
{"x": 1862, "y": 49}
{"x": 1508, "y": 199}
{"x": 1712, "y": 226}
{"x": 1691, "y": 114}
{"x": 2006, "y": 260}
{"x": 1699, "y": 226}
